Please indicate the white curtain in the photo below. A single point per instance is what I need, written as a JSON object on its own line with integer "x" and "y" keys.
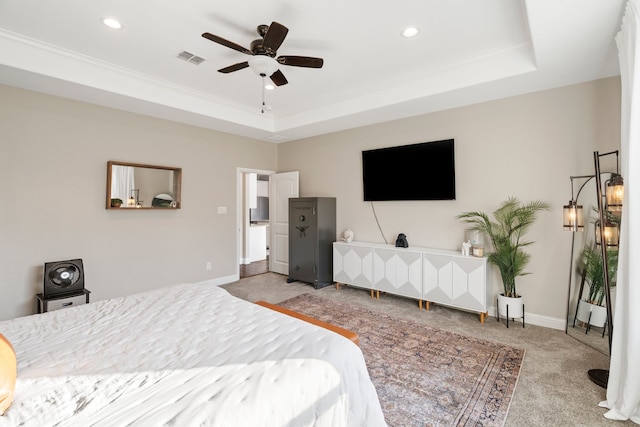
{"x": 122, "y": 182}
{"x": 623, "y": 390}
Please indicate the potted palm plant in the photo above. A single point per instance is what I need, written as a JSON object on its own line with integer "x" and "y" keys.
{"x": 506, "y": 232}
{"x": 591, "y": 309}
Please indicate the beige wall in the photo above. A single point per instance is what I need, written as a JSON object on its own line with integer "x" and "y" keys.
{"x": 526, "y": 146}
{"x": 53, "y": 157}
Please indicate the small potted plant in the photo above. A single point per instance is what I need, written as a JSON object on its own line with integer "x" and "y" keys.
{"x": 506, "y": 233}
{"x": 591, "y": 309}
{"x": 115, "y": 203}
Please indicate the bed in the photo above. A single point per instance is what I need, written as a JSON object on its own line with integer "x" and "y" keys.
{"x": 186, "y": 355}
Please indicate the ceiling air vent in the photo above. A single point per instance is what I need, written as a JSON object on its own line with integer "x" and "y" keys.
{"x": 190, "y": 57}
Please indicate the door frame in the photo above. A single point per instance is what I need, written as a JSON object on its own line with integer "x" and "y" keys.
{"x": 240, "y": 205}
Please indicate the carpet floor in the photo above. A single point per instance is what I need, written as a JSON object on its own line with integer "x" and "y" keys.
{"x": 425, "y": 376}
{"x": 553, "y": 387}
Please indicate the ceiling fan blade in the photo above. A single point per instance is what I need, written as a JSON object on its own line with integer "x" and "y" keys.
{"x": 301, "y": 61}
{"x": 226, "y": 43}
{"x": 234, "y": 67}
{"x": 274, "y": 37}
{"x": 278, "y": 78}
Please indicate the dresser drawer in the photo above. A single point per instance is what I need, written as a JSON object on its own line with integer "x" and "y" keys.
{"x": 57, "y": 304}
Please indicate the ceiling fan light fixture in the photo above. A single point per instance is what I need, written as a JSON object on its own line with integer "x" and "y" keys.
{"x": 112, "y": 23}
{"x": 410, "y": 32}
{"x": 263, "y": 65}
{"x": 263, "y": 54}
{"x": 269, "y": 86}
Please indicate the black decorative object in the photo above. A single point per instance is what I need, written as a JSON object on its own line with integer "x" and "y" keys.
{"x": 63, "y": 277}
{"x": 401, "y": 241}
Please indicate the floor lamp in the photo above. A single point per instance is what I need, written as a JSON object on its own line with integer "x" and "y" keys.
{"x": 573, "y": 221}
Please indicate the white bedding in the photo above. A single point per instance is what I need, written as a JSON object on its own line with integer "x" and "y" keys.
{"x": 187, "y": 355}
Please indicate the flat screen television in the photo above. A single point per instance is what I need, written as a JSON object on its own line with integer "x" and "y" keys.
{"x": 424, "y": 171}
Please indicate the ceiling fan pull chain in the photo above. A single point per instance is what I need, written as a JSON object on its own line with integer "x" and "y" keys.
{"x": 263, "y": 95}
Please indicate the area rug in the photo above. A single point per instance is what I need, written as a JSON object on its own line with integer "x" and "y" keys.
{"x": 425, "y": 376}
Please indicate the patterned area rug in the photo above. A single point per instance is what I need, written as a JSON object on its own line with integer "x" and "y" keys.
{"x": 426, "y": 376}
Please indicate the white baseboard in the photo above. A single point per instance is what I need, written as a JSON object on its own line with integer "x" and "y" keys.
{"x": 546, "y": 321}
{"x": 530, "y": 318}
{"x": 538, "y": 320}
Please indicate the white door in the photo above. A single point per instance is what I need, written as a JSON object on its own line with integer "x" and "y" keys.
{"x": 282, "y": 187}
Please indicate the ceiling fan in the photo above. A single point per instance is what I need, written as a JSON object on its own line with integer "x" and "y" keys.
{"x": 263, "y": 53}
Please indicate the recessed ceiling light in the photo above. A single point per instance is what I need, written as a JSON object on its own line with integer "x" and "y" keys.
{"x": 410, "y": 32}
{"x": 269, "y": 86}
{"x": 112, "y": 23}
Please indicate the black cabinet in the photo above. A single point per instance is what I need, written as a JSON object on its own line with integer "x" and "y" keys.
{"x": 312, "y": 231}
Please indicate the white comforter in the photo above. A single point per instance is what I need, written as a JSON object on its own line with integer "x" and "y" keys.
{"x": 187, "y": 355}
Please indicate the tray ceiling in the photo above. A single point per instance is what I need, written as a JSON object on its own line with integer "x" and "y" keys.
{"x": 466, "y": 51}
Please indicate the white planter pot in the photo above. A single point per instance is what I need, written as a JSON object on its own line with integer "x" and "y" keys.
{"x": 516, "y": 306}
{"x": 598, "y": 314}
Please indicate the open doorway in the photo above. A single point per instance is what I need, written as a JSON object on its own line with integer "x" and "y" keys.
{"x": 253, "y": 222}
{"x": 281, "y": 187}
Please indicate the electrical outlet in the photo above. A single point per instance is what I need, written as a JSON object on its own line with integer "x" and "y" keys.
{"x": 208, "y": 266}
{"x": 222, "y": 210}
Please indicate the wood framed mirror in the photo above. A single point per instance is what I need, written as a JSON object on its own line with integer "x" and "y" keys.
{"x": 142, "y": 186}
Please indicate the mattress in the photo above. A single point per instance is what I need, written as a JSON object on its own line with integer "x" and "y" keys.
{"x": 186, "y": 355}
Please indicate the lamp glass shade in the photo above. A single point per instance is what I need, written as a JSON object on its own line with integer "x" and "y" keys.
{"x": 572, "y": 217}
{"x": 614, "y": 193}
{"x": 611, "y": 234}
{"x": 263, "y": 65}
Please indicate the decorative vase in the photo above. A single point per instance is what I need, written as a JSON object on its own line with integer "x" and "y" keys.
{"x": 347, "y": 236}
{"x": 515, "y": 304}
{"x": 592, "y": 314}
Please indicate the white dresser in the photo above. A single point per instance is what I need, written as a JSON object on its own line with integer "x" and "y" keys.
{"x": 430, "y": 275}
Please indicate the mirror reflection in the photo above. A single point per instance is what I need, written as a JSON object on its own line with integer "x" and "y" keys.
{"x": 586, "y": 314}
{"x": 141, "y": 186}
